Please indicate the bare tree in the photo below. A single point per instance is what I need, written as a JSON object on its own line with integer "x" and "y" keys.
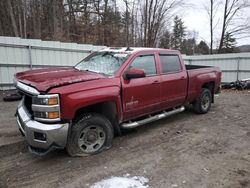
{"x": 133, "y": 22}
{"x": 24, "y": 9}
{"x": 35, "y": 8}
{"x": 154, "y": 17}
{"x": 13, "y": 20}
{"x": 90, "y": 21}
{"x": 127, "y": 21}
{"x": 231, "y": 10}
{"x": 57, "y": 16}
{"x": 211, "y": 10}
{"x": 211, "y": 15}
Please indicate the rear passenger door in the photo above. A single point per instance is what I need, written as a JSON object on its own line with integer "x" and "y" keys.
{"x": 173, "y": 80}
{"x": 141, "y": 96}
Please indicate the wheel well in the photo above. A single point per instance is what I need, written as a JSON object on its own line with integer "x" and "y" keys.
{"x": 107, "y": 109}
{"x": 210, "y": 86}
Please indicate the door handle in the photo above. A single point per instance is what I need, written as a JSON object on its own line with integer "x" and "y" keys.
{"x": 156, "y": 82}
{"x": 183, "y": 78}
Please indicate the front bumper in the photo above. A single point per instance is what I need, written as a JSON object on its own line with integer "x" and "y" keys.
{"x": 41, "y": 137}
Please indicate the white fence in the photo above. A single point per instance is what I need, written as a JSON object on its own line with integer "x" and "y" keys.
{"x": 18, "y": 55}
{"x": 234, "y": 66}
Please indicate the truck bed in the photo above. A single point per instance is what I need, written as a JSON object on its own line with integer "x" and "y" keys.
{"x": 197, "y": 75}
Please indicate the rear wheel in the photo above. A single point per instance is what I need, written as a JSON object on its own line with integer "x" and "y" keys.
{"x": 203, "y": 102}
{"x": 90, "y": 135}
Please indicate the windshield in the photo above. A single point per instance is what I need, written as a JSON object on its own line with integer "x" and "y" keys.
{"x": 103, "y": 62}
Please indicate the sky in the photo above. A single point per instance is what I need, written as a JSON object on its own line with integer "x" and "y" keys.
{"x": 195, "y": 18}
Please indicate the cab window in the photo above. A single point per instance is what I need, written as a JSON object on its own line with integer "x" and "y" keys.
{"x": 145, "y": 62}
{"x": 170, "y": 63}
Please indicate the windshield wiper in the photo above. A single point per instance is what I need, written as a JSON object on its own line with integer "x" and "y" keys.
{"x": 96, "y": 72}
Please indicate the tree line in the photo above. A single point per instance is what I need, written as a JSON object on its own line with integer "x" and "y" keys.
{"x": 115, "y": 23}
{"x": 180, "y": 39}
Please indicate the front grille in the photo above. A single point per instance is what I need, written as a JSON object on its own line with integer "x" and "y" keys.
{"x": 28, "y": 103}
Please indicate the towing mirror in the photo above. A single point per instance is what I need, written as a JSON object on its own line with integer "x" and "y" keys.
{"x": 135, "y": 73}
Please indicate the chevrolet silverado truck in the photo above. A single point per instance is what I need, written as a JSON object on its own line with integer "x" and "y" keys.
{"x": 81, "y": 108}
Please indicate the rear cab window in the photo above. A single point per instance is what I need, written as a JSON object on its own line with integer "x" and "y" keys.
{"x": 170, "y": 63}
{"x": 145, "y": 62}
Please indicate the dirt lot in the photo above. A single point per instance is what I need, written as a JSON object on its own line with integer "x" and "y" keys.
{"x": 186, "y": 150}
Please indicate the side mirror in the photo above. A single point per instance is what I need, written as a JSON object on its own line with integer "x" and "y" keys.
{"x": 135, "y": 73}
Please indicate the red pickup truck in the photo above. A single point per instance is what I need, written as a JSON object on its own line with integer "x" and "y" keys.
{"x": 82, "y": 107}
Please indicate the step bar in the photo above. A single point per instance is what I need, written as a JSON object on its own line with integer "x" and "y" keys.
{"x": 162, "y": 115}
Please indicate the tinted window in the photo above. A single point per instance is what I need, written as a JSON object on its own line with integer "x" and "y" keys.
{"x": 170, "y": 63}
{"x": 145, "y": 62}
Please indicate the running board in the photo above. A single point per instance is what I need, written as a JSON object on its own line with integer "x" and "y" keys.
{"x": 152, "y": 118}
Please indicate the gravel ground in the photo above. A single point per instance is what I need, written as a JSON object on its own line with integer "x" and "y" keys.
{"x": 8, "y": 129}
{"x": 185, "y": 150}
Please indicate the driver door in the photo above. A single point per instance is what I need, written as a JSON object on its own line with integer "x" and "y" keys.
{"x": 141, "y": 96}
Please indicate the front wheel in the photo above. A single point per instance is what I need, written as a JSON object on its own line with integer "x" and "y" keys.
{"x": 90, "y": 135}
{"x": 203, "y": 102}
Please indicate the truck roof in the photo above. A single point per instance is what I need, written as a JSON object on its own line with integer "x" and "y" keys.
{"x": 133, "y": 49}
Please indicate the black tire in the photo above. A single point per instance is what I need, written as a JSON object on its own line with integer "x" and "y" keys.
{"x": 203, "y": 102}
{"x": 83, "y": 141}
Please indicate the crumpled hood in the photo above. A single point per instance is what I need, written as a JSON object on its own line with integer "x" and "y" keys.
{"x": 44, "y": 79}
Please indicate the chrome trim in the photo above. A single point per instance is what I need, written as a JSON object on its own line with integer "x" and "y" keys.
{"x": 48, "y": 96}
{"x": 41, "y": 141}
{"x": 20, "y": 125}
{"x": 27, "y": 88}
{"x": 152, "y": 118}
{"x": 45, "y": 108}
{"x": 47, "y": 120}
